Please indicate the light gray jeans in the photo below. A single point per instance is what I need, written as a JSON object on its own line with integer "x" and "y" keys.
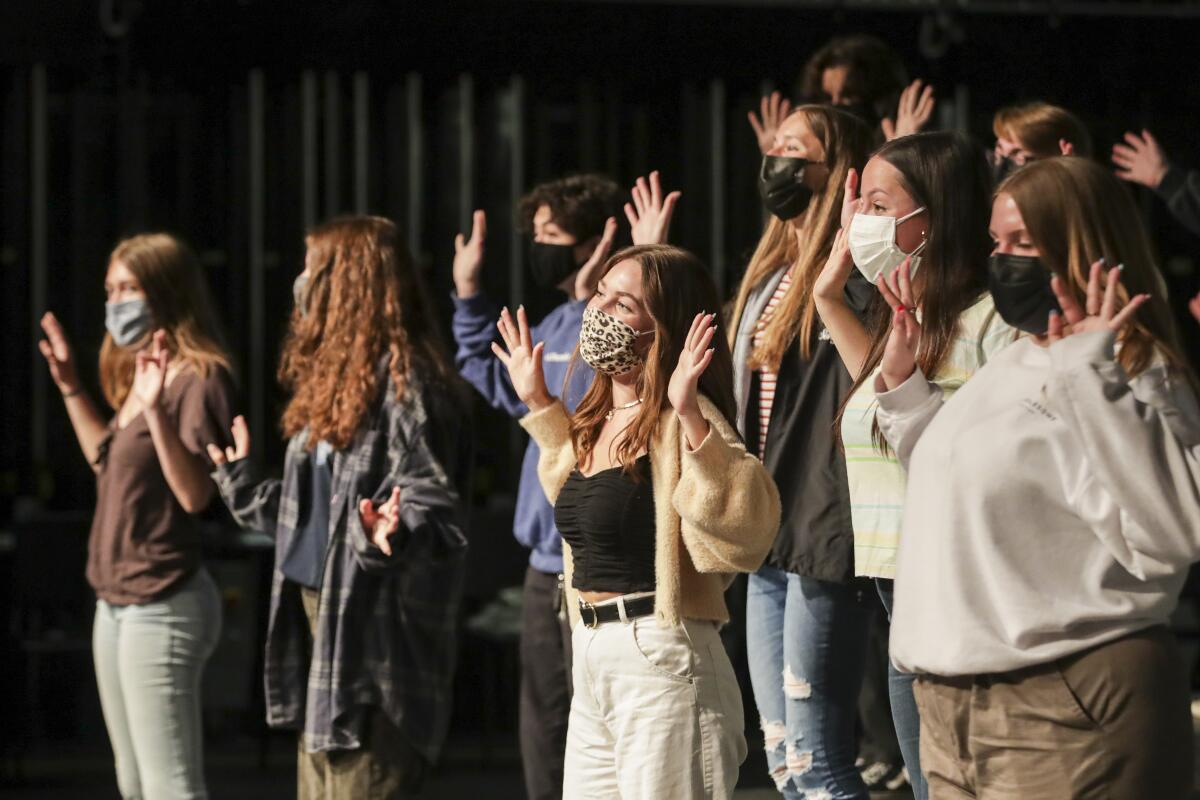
{"x": 656, "y": 714}
{"x": 149, "y": 660}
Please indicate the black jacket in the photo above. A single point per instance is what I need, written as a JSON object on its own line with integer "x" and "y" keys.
{"x": 1180, "y": 188}
{"x": 803, "y": 454}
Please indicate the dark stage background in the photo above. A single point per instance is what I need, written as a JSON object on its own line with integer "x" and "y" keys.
{"x": 237, "y": 124}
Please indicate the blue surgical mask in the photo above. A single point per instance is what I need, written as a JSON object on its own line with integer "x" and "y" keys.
{"x": 300, "y": 293}
{"x": 128, "y": 320}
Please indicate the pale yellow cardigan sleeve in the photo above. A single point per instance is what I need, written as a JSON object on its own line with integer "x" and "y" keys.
{"x": 550, "y": 427}
{"x": 727, "y": 502}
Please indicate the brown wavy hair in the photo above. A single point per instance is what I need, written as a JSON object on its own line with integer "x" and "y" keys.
{"x": 676, "y": 287}
{"x": 365, "y": 303}
{"x": 845, "y": 141}
{"x": 170, "y": 275}
{"x": 1076, "y": 212}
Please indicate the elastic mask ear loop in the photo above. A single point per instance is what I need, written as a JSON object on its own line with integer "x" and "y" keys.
{"x": 906, "y": 218}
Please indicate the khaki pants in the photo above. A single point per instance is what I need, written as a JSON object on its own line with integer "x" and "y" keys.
{"x": 1112, "y": 722}
{"x": 386, "y": 767}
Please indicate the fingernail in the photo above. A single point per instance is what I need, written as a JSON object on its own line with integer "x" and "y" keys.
{"x": 1121, "y": 267}
{"x": 1103, "y": 261}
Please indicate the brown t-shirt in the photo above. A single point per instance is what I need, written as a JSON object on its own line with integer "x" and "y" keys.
{"x": 143, "y": 543}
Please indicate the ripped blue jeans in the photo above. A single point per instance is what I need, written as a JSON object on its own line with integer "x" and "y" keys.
{"x": 806, "y": 640}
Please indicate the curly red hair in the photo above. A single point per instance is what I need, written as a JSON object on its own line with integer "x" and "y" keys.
{"x": 365, "y": 300}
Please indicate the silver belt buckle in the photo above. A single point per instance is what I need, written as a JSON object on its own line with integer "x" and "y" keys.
{"x": 584, "y": 608}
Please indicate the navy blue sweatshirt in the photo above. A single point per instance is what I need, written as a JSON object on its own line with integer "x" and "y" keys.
{"x": 474, "y": 326}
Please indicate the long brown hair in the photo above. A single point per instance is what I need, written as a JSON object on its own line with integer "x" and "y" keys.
{"x": 1076, "y": 212}
{"x": 947, "y": 174}
{"x": 170, "y": 275}
{"x": 845, "y": 141}
{"x": 676, "y": 287}
{"x": 365, "y": 301}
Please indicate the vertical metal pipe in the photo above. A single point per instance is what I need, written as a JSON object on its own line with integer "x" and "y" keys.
{"x": 333, "y": 129}
{"x": 466, "y": 150}
{"x": 415, "y": 205}
{"x": 38, "y": 261}
{"x": 716, "y": 109}
{"x": 255, "y": 117}
{"x": 362, "y": 123}
{"x": 308, "y": 147}
{"x": 516, "y": 186}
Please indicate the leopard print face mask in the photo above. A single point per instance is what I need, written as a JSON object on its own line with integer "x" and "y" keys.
{"x": 606, "y": 343}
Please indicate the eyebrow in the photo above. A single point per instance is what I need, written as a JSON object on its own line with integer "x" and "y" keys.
{"x": 878, "y": 190}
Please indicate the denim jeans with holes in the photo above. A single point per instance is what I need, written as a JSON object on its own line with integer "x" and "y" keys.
{"x": 806, "y": 640}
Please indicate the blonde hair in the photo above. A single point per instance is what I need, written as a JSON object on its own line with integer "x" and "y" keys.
{"x": 845, "y": 142}
{"x": 169, "y": 273}
{"x": 1038, "y": 127}
{"x": 1076, "y": 212}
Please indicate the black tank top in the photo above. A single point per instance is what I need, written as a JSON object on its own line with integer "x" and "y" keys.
{"x": 608, "y": 519}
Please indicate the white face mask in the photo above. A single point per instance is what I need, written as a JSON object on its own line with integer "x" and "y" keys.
{"x": 873, "y": 245}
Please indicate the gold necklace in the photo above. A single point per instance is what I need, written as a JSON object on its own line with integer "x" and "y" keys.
{"x": 608, "y": 417}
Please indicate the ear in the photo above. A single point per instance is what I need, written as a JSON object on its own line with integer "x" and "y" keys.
{"x": 1066, "y": 148}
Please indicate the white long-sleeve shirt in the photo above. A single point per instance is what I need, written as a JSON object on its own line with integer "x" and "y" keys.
{"x": 1052, "y": 505}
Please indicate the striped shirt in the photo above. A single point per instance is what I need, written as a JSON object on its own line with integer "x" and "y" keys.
{"x": 876, "y": 479}
{"x": 767, "y": 377}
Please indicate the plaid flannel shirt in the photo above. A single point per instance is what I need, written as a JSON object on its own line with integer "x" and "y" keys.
{"x": 386, "y": 628}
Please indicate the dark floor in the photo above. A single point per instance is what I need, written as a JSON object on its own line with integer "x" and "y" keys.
{"x": 235, "y": 773}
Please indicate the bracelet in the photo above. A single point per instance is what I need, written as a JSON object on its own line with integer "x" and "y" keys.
{"x": 69, "y": 395}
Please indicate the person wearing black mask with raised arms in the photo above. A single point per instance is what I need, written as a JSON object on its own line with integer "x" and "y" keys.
{"x": 572, "y": 224}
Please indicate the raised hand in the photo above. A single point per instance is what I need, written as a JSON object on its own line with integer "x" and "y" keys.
{"x": 241, "y": 444}
{"x": 59, "y": 358}
{"x": 382, "y": 522}
{"x": 523, "y": 359}
{"x": 1140, "y": 160}
{"x": 589, "y": 274}
{"x": 912, "y": 114}
{"x": 150, "y": 372}
{"x": 650, "y": 214}
{"x": 851, "y": 202}
{"x": 831, "y": 283}
{"x": 468, "y": 257}
{"x": 775, "y": 109}
{"x": 693, "y": 360}
{"x": 900, "y": 352}
{"x": 1100, "y": 312}
{"x": 1194, "y": 307}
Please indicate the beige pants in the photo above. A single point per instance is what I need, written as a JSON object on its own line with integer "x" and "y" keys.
{"x": 656, "y": 714}
{"x": 386, "y": 767}
{"x": 1112, "y": 722}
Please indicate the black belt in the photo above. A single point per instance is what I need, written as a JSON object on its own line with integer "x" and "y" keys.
{"x": 610, "y": 612}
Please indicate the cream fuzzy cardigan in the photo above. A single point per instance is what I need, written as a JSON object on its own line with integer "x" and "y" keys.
{"x": 716, "y": 509}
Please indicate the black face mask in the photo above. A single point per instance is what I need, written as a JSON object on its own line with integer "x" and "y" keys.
{"x": 1002, "y": 167}
{"x": 551, "y": 263}
{"x": 864, "y": 111}
{"x": 779, "y": 185}
{"x": 1020, "y": 287}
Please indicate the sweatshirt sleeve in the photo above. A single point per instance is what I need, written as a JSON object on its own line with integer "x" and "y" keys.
{"x": 906, "y": 411}
{"x": 727, "y": 502}
{"x": 1180, "y": 189}
{"x": 1141, "y": 442}
{"x": 550, "y": 428}
{"x": 474, "y": 328}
